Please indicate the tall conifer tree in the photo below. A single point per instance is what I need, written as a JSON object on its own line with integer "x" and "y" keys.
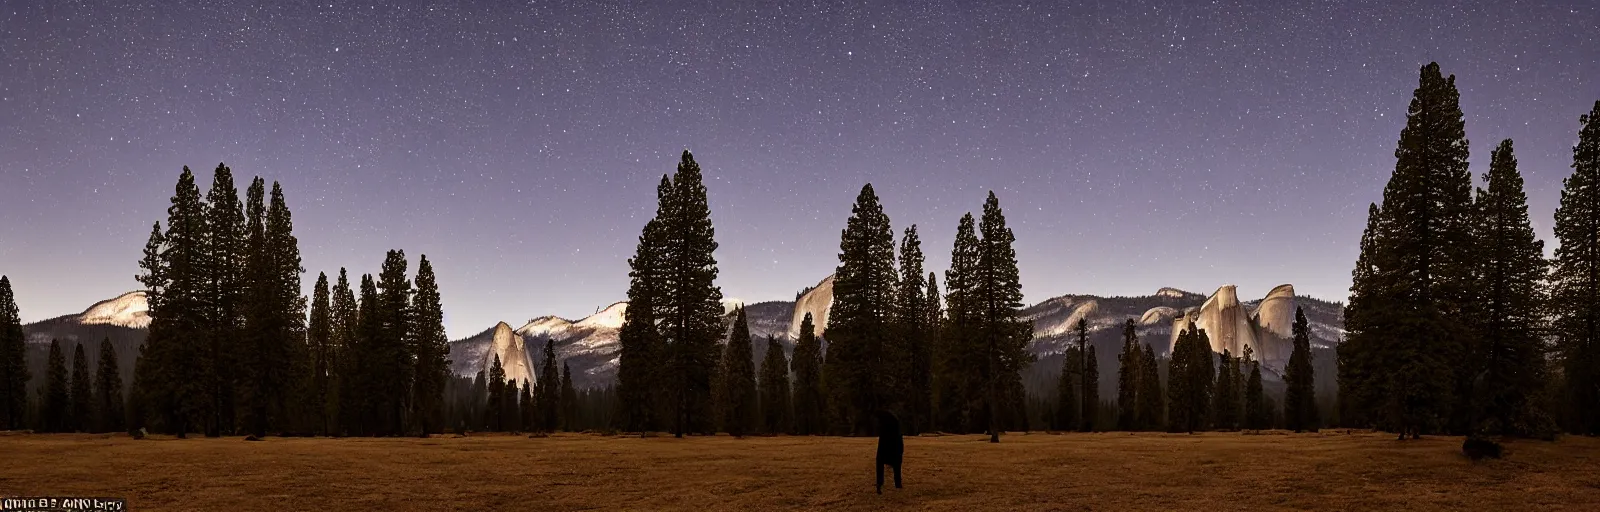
{"x": 691, "y": 305}
{"x": 13, "y": 363}
{"x": 54, "y": 396}
{"x": 569, "y": 399}
{"x": 1128, "y": 378}
{"x": 432, "y": 351}
{"x": 225, "y": 295}
{"x": 1575, "y": 280}
{"x": 959, "y": 381}
{"x": 1509, "y": 355}
{"x": 916, "y": 339}
{"x": 548, "y": 394}
{"x": 1069, "y": 410}
{"x": 860, "y": 322}
{"x": 319, "y": 333}
{"x": 1003, "y": 331}
{"x": 108, "y": 390}
{"x": 1151, "y": 398}
{"x": 80, "y": 411}
{"x": 809, "y": 398}
{"x": 776, "y": 412}
{"x": 640, "y": 372}
{"x": 497, "y": 422}
{"x": 1422, "y": 264}
{"x": 345, "y": 326}
{"x": 1299, "y": 401}
{"x": 1255, "y": 400}
{"x": 739, "y": 380}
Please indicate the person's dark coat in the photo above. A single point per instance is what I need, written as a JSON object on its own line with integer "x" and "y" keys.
{"x": 891, "y": 448}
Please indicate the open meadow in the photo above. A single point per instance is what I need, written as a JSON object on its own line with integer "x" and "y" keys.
{"x": 1104, "y": 471}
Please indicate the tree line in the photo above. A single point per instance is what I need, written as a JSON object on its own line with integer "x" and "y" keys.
{"x": 231, "y": 349}
{"x": 1457, "y": 323}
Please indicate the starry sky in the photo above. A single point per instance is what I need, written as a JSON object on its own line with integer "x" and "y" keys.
{"x": 1134, "y": 144}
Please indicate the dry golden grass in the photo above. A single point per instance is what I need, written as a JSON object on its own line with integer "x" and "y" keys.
{"x": 1111, "y": 471}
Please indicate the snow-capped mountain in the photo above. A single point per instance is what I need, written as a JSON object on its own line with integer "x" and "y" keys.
{"x": 590, "y": 344}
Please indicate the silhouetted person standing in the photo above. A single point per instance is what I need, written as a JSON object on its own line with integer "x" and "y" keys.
{"x": 891, "y": 449}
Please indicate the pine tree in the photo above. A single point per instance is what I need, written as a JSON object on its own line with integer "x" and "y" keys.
{"x": 394, "y": 361}
{"x": 432, "y": 351}
{"x": 1299, "y": 400}
{"x": 275, "y": 325}
{"x": 1003, "y": 331}
{"x": 1512, "y": 266}
{"x": 958, "y": 381}
{"x": 1151, "y": 398}
{"x": 860, "y": 322}
{"x": 739, "y": 416}
{"x": 479, "y": 412}
{"x": 54, "y": 395}
{"x": 1226, "y": 399}
{"x": 225, "y": 295}
{"x": 1360, "y": 376}
{"x": 176, "y": 284}
{"x": 1575, "y": 280}
{"x": 1069, "y": 411}
{"x": 319, "y": 333}
{"x": 80, "y": 405}
{"x": 691, "y": 304}
{"x": 915, "y": 377}
{"x": 1255, "y": 400}
{"x": 1420, "y": 267}
{"x": 548, "y": 395}
{"x": 342, "y": 362}
{"x": 775, "y": 410}
{"x": 1128, "y": 378}
{"x": 933, "y": 312}
{"x": 528, "y": 420}
{"x": 1086, "y": 403}
{"x": 1091, "y": 391}
{"x": 569, "y": 399}
{"x": 13, "y": 363}
{"x": 372, "y": 374}
{"x": 809, "y": 398}
{"x": 497, "y": 422}
{"x": 108, "y": 391}
{"x": 1190, "y": 381}
{"x": 639, "y": 370}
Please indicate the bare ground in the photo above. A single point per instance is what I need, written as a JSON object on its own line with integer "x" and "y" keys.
{"x": 1109, "y": 471}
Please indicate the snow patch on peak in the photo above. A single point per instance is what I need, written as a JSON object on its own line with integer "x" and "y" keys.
{"x": 131, "y": 309}
{"x": 609, "y": 318}
{"x": 1171, "y": 292}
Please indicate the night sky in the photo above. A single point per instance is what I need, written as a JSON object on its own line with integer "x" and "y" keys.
{"x": 1133, "y": 144}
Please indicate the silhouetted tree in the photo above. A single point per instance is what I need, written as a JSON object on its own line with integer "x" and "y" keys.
{"x": 1227, "y": 397}
{"x": 958, "y": 382}
{"x": 917, "y": 328}
{"x": 1415, "y": 278}
{"x": 1069, "y": 410}
{"x": 809, "y": 399}
{"x": 1299, "y": 401}
{"x": 1575, "y": 280}
{"x": 1255, "y": 401}
{"x": 1151, "y": 398}
{"x": 776, "y": 413}
{"x": 860, "y": 329}
{"x": 80, "y": 408}
{"x": 640, "y": 372}
{"x": 739, "y": 416}
{"x": 13, "y": 363}
{"x": 319, "y": 333}
{"x": 1509, "y": 356}
{"x": 1003, "y": 331}
{"x": 496, "y": 421}
{"x": 691, "y": 303}
{"x": 226, "y": 259}
{"x": 342, "y": 358}
{"x": 108, "y": 391}
{"x": 1128, "y": 378}
{"x": 54, "y": 395}
{"x": 547, "y": 394}
{"x": 432, "y": 351}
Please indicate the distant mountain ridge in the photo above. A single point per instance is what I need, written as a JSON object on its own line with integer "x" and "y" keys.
{"x": 590, "y": 344}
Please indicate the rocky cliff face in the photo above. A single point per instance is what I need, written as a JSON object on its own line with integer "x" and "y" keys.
{"x": 1230, "y": 326}
{"x": 817, "y": 302}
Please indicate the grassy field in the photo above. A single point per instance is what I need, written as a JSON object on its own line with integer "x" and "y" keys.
{"x": 1111, "y": 471}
